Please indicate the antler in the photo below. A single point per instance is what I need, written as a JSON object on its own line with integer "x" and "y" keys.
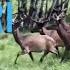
{"x": 58, "y": 17}
{"x": 66, "y": 5}
{"x": 48, "y": 16}
{"x": 60, "y": 10}
{"x": 63, "y": 6}
{"x": 40, "y": 22}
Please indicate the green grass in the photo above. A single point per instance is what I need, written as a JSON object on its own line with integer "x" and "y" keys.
{"x": 10, "y": 50}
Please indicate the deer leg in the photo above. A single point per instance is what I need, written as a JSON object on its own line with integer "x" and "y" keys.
{"x": 53, "y": 50}
{"x": 30, "y": 54}
{"x": 58, "y": 51}
{"x": 45, "y": 53}
{"x": 17, "y": 57}
{"x": 64, "y": 55}
{"x": 19, "y": 53}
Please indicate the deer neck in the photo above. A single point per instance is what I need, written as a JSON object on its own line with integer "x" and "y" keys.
{"x": 62, "y": 33}
{"x": 16, "y": 32}
{"x": 65, "y": 26}
{"x": 18, "y": 35}
{"x": 60, "y": 28}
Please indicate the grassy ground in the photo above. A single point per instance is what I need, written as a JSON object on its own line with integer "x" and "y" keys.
{"x": 9, "y": 50}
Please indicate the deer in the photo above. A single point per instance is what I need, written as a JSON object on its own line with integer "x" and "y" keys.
{"x": 63, "y": 30}
{"x": 40, "y": 28}
{"x": 23, "y": 41}
{"x": 33, "y": 43}
{"x": 59, "y": 25}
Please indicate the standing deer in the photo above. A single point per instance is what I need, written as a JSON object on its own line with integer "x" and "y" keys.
{"x": 44, "y": 31}
{"x": 63, "y": 30}
{"x": 33, "y": 43}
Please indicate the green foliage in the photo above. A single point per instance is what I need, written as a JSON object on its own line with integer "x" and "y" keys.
{"x": 15, "y": 5}
{"x": 37, "y": 3}
{"x": 68, "y": 11}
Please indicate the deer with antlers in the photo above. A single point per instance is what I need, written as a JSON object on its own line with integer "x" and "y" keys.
{"x": 63, "y": 30}
{"x": 59, "y": 25}
{"x": 33, "y": 43}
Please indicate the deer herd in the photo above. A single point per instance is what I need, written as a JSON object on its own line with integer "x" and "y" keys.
{"x": 51, "y": 36}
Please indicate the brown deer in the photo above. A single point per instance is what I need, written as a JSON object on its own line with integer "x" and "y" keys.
{"x": 44, "y": 31}
{"x": 40, "y": 27}
{"x": 63, "y": 30}
{"x": 33, "y": 43}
